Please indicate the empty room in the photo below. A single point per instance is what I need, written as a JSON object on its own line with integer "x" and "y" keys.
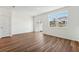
{"x": 39, "y": 29}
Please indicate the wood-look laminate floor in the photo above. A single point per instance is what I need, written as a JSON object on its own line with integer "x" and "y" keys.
{"x": 37, "y": 42}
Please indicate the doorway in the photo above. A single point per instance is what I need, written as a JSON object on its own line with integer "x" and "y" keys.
{"x": 38, "y": 24}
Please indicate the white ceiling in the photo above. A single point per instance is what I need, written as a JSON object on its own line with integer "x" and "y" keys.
{"x": 36, "y": 10}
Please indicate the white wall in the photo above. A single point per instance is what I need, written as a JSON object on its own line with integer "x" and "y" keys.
{"x": 71, "y": 31}
{"x": 21, "y": 22}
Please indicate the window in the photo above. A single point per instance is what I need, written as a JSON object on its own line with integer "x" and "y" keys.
{"x": 58, "y": 19}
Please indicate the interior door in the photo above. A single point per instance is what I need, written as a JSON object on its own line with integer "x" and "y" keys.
{"x": 38, "y": 25}
{"x": 4, "y": 26}
{"x": 5, "y": 20}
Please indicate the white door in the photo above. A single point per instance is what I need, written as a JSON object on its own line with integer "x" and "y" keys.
{"x": 5, "y": 20}
{"x": 5, "y": 26}
{"x": 38, "y": 25}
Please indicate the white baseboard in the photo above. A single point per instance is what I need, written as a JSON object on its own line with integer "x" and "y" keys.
{"x": 7, "y": 36}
